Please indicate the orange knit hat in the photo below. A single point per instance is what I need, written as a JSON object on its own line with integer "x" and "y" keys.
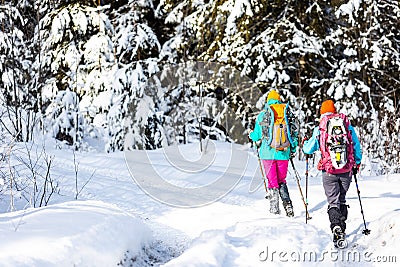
{"x": 327, "y": 106}
{"x": 273, "y": 95}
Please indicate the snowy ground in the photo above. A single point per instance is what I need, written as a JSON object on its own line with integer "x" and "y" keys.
{"x": 114, "y": 222}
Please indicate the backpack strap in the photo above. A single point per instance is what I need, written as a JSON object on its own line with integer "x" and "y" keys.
{"x": 288, "y": 124}
{"x": 323, "y": 135}
{"x": 271, "y": 125}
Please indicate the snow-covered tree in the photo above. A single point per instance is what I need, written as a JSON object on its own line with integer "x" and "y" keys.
{"x": 12, "y": 69}
{"x": 67, "y": 121}
{"x": 136, "y": 50}
{"x": 194, "y": 101}
{"x": 77, "y": 55}
{"x": 366, "y": 72}
{"x": 276, "y": 44}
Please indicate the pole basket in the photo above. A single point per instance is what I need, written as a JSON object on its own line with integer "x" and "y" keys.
{"x": 366, "y": 231}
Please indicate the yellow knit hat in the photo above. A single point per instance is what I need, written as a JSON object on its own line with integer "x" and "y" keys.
{"x": 273, "y": 95}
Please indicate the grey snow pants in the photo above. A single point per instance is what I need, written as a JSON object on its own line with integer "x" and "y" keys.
{"x": 336, "y": 186}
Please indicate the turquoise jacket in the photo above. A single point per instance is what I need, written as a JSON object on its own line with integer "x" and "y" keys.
{"x": 266, "y": 151}
{"x": 312, "y": 145}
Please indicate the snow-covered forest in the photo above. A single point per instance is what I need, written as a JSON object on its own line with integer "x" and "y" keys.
{"x": 77, "y": 70}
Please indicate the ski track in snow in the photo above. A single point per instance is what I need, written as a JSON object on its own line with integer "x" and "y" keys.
{"x": 236, "y": 230}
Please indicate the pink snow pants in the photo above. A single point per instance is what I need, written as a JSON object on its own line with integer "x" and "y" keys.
{"x": 276, "y": 171}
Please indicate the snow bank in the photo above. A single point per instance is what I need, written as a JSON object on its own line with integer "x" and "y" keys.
{"x": 79, "y": 233}
{"x": 255, "y": 243}
{"x": 384, "y": 239}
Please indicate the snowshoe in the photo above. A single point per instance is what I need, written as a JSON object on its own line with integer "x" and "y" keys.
{"x": 339, "y": 238}
{"x": 288, "y": 208}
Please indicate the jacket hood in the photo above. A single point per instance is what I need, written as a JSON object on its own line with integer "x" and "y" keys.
{"x": 325, "y": 114}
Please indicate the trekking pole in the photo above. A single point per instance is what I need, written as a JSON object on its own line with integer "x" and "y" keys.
{"x": 306, "y": 183}
{"x": 268, "y": 195}
{"x": 365, "y": 231}
{"x": 297, "y": 175}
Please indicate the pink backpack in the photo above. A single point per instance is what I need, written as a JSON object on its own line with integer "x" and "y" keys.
{"x": 336, "y": 145}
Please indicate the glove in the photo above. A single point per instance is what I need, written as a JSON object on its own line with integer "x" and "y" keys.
{"x": 304, "y": 139}
{"x": 248, "y": 135}
{"x": 356, "y": 168}
{"x": 292, "y": 153}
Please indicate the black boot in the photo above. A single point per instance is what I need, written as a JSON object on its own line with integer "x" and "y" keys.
{"x": 335, "y": 217}
{"x": 344, "y": 212}
{"x": 338, "y": 225}
{"x": 284, "y": 192}
{"x": 287, "y": 203}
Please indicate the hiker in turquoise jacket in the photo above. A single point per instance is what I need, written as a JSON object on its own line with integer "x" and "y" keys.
{"x": 275, "y": 161}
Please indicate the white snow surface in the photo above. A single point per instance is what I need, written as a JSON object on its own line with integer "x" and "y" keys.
{"x": 114, "y": 222}
{"x": 78, "y": 233}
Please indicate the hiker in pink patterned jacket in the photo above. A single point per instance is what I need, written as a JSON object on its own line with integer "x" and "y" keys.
{"x": 336, "y": 174}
